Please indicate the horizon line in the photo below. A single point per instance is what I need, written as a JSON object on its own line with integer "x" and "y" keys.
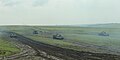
{"x": 52, "y": 24}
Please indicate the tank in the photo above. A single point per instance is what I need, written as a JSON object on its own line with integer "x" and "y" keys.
{"x": 58, "y": 36}
{"x": 13, "y": 35}
{"x": 103, "y": 34}
{"x": 35, "y": 32}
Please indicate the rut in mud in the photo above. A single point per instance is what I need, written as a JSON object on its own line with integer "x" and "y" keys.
{"x": 53, "y": 53}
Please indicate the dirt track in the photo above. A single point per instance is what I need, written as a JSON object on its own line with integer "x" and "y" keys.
{"x": 50, "y": 52}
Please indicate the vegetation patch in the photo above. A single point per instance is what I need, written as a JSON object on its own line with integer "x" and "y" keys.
{"x": 7, "y": 48}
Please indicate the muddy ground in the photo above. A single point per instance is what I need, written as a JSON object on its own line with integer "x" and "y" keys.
{"x": 34, "y": 50}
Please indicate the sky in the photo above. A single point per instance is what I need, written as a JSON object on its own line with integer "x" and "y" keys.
{"x": 59, "y": 12}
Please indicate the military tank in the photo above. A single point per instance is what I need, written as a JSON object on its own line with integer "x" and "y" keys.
{"x": 58, "y": 36}
{"x": 35, "y": 32}
{"x": 12, "y": 35}
{"x": 103, "y": 34}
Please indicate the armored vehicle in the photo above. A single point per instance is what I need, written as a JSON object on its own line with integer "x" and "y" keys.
{"x": 58, "y": 36}
{"x": 12, "y": 35}
{"x": 103, "y": 34}
{"x": 35, "y": 32}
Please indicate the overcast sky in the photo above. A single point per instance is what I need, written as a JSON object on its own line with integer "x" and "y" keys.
{"x": 59, "y": 11}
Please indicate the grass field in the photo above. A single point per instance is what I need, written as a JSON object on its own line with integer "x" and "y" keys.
{"x": 77, "y": 38}
{"x": 7, "y": 48}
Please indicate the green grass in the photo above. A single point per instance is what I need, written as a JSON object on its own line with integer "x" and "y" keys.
{"x": 59, "y": 43}
{"x": 77, "y": 38}
{"x": 7, "y": 48}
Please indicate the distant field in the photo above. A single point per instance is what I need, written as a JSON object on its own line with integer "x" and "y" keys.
{"x": 77, "y": 38}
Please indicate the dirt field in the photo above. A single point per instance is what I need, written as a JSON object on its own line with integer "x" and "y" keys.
{"x": 34, "y": 50}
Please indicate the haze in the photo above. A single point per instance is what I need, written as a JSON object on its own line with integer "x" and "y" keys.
{"x": 61, "y": 12}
